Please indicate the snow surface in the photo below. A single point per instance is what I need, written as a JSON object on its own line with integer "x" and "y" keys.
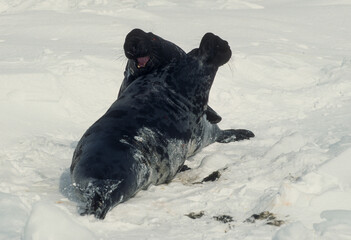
{"x": 289, "y": 81}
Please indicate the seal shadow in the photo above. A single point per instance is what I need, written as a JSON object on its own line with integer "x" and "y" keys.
{"x": 66, "y": 187}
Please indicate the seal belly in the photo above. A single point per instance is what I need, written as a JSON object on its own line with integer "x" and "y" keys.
{"x": 163, "y": 155}
{"x": 205, "y": 134}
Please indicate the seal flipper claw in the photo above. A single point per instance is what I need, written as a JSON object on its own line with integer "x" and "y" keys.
{"x": 212, "y": 116}
{"x": 233, "y": 135}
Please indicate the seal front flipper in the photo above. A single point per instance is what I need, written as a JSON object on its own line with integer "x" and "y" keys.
{"x": 100, "y": 196}
{"x": 233, "y": 135}
{"x": 212, "y": 116}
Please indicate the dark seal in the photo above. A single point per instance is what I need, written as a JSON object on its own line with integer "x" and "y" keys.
{"x": 148, "y": 132}
{"x": 147, "y": 52}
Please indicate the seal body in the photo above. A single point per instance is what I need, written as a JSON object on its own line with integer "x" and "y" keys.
{"x": 149, "y": 131}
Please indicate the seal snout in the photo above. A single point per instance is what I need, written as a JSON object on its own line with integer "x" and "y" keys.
{"x": 137, "y": 47}
{"x": 214, "y": 49}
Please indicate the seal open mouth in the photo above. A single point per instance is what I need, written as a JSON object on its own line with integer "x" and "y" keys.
{"x": 142, "y": 61}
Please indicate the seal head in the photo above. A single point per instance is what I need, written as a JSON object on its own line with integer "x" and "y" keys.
{"x": 147, "y": 52}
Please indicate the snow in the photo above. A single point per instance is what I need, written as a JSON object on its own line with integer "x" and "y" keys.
{"x": 61, "y": 65}
{"x": 47, "y": 221}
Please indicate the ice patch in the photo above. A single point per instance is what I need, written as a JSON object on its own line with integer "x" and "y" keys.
{"x": 30, "y": 87}
{"x": 337, "y": 225}
{"x": 284, "y": 73}
{"x": 230, "y": 4}
{"x": 47, "y": 221}
{"x": 339, "y": 167}
{"x": 304, "y": 190}
{"x": 287, "y": 144}
{"x": 13, "y": 213}
{"x": 293, "y": 231}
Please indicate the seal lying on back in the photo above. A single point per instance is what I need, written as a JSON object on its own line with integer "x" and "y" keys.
{"x": 149, "y": 131}
{"x": 147, "y": 52}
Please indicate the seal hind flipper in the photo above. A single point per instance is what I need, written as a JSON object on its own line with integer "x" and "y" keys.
{"x": 233, "y": 135}
{"x": 96, "y": 206}
{"x": 212, "y": 116}
{"x": 98, "y": 197}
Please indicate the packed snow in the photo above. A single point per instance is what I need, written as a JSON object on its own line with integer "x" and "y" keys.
{"x": 289, "y": 81}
